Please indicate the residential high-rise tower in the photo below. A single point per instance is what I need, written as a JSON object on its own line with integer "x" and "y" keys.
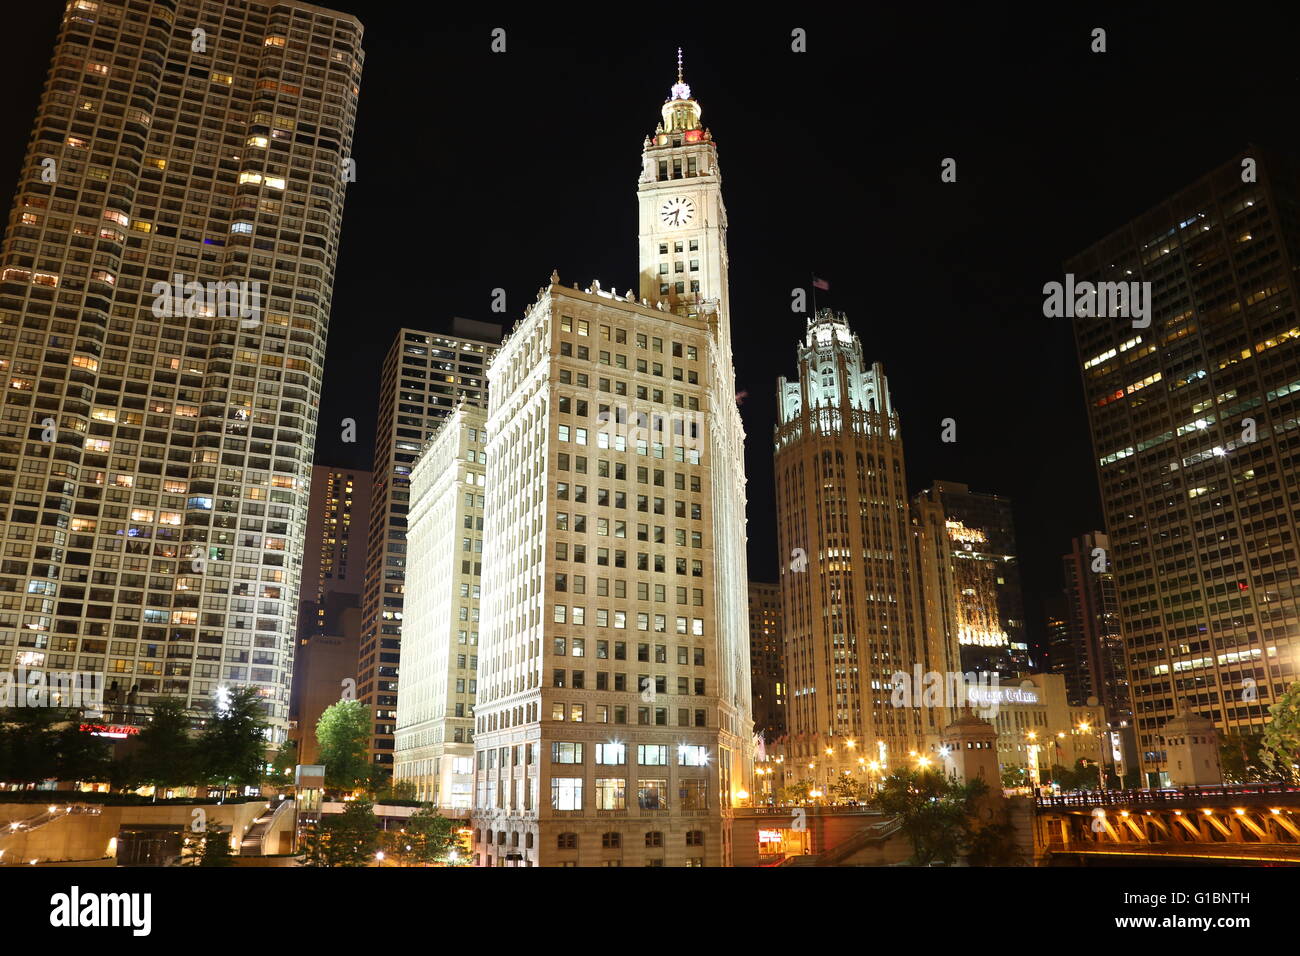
{"x": 165, "y": 285}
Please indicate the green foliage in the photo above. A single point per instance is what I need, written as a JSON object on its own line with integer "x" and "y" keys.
{"x": 1082, "y": 776}
{"x": 44, "y": 743}
{"x": 932, "y": 811}
{"x": 939, "y": 816}
{"x": 849, "y": 790}
{"x": 426, "y": 838}
{"x": 1239, "y": 756}
{"x": 1279, "y": 748}
{"x": 211, "y": 847}
{"x": 349, "y": 838}
{"x": 167, "y": 756}
{"x": 343, "y": 733}
{"x": 993, "y": 845}
{"x": 232, "y": 746}
{"x": 797, "y": 792}
{"x": 283, "y": 765}
{"x": 1015, "y": 777}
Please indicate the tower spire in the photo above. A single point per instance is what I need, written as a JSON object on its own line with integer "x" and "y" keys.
{"x": 681, "y": 90}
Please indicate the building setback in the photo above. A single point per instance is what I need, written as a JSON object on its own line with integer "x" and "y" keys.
{"x": 435, "y": 710}
{"x": 155, "y": 447}
{"x": 612, "y": 724}
{"x": 425, "y": 375}
{"x": 1194, "y": 410}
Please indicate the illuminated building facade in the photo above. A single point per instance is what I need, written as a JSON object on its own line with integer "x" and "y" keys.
{"x": 766, "y": 656}
{"x": 435, "y": 710}
{"x": 334, "y": 559}
{"x": 1038, "y": 726}
{"x": 612, "y": 724}
{"x": 155, "y": 448}
{"x": 1195, "y": 422}
{"x": 852, "y": 580}
{"x": 425, "y": 375}
{"x": 991, "y": 605}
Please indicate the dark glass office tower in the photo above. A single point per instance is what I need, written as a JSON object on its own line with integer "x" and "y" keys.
{"x": 1195, "y": 422}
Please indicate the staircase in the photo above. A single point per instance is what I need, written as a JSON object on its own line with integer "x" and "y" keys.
{"x": 254, "y": 841}
{"x": 874, "y": 834}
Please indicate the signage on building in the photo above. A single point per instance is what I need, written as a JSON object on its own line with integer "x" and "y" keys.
{"x": 118, "y": 731}
{"x": 1002, "y": 695}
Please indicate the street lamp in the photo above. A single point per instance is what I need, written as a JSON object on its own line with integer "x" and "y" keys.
{"x": 1034, "y": 774}
{"x": 1086, "y": 727}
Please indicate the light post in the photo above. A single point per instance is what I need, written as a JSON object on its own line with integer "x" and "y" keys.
{"x": 1086, "y": 728}
{"x": 1034, "y": 777}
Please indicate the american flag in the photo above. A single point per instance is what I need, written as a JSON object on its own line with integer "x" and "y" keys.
{"x": 821, "y": 284}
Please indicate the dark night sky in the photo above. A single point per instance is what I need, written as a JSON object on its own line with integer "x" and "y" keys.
{"x": 478, "y": 171}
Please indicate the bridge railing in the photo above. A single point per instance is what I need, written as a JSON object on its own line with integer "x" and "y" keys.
{"x": 1170, "y": 797}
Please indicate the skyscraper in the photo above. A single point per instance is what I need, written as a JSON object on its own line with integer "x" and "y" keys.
{"x": 1098, "y": 669}
{"x": 613, "y": 720}
{"x": 767, "y": 660}
{"x": 851, "y": 586}
{"x": 165, "y": 288}
{"x": 440, "y": 631}
{"x": 425, "y": 375}
{"x": 990, "y": 602}
{"x": 329, "y": 610}
{"x": 1194, "y": 410}
{"x": 334, "y": 559}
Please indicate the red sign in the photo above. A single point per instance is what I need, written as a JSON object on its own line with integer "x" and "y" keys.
{"x": 110, "y": 730}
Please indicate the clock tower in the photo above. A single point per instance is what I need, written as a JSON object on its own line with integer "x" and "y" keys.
{"x": 683, "y": 223}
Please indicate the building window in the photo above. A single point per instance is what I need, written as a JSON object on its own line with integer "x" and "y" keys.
{"x": 566, "y": 794}
{"x": 651, "y": 794}
{"x": 611, "y": 793}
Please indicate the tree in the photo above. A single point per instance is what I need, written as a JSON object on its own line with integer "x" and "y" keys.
{"x": 46, "y": 743}
{"x": 1279, "y": 750}
{"x": 81, "y": 756}
{"x": 233, "y": 744}
{"x": 848, "y": 789}
{"x": 1239, "y": 755}
{"x": 940, "y": 818}
{"x": 427, "y": 838}
{"x": 283, "y": 765}
{"x": 343, "y": 839}
{"x": 167, "y": 756}
{"x": 798, "y": 791}
{"x": 992, "y": 845}
{"x": 932, "y": 810}
{"x": 26, "y": 755}
{"x": 1014, "y": 777}
{"x": 210, "y": 847}
{"x": 343, "y": 733}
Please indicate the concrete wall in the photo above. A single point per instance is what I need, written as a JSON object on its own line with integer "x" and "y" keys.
{"x": 87, "y": 836}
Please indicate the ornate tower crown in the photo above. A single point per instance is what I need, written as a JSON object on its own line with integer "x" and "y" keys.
{"x": 681, "y": 112}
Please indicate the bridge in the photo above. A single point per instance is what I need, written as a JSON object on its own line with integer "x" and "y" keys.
{"x": 1244, "y": 825}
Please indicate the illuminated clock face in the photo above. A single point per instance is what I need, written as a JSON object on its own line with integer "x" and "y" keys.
{"x": 678, "y": 211}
